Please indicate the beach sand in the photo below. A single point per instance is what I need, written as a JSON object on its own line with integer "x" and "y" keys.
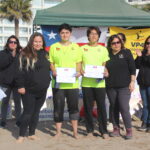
{"x": 46, "y": 130}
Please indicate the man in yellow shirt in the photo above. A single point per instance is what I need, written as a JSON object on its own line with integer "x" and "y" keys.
{"x": 93, "y": 88}
{"x": 65, "y": 54}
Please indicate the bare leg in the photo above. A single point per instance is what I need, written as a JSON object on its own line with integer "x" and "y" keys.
{"x": 75, "y": 128}
{"x": 58, "y": 129}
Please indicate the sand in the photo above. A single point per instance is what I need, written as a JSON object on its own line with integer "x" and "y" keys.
{"x": 46, "y": 131}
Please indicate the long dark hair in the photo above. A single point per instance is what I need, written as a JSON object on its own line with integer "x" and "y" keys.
{"x": 111, "y": 38}
{"x": 123, "y": 36}
{"x": 29, "y": 53}
{"x": 145, "y": 49}
{"x": 6, "y": 47}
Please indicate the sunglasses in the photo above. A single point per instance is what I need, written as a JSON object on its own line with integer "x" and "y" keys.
{"x": 147, "y": 43}
{"x": 114, "y": 43}
{"x": 12, "y": 42}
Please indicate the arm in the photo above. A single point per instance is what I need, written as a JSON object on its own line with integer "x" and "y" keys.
{"x": 52, "y": 67}
{"x": 132, "y": 83}
{"x": 132, "y": 70}
{"x": 78, "y": 69}
{"x": 5, "y": 60}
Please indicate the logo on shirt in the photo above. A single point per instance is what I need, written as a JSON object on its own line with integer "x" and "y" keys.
{"x": 57, "y": 48}
{"x": 121, "y": 56}
{"x": 85, "y": 49}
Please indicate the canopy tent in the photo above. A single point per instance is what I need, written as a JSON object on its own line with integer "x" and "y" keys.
{"x": 93, "y": 12}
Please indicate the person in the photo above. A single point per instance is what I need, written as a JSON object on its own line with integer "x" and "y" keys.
{"x": 94, "y": 88}
{"x": 120, "y": 84}
{"x": 8, "y": 63}
{"x": 65, "y": 54}
{"x": 32, "y": 81}
{"x": 143, "y": 64}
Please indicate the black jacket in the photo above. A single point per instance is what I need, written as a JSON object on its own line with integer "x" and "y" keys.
{"x": 120, "y": 67}
{"x": 38, "y": 78}
{"x": 8, "y": 68}
{"x": 143, "y": 64}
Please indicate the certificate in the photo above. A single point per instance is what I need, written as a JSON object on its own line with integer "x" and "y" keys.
{"x": 94, "y": 71}
{"x": 2, "y": 94}
{"x": 66, "y": 75}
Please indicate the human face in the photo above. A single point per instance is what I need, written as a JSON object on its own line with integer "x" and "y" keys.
{"x": 65, "y": 35}
{"x": 93, "y": 37}
{"x": 148, "y": 44}
{"x": 116, "y": 44}
{"x": 12, "y": 44}
{"x": 37, "y": 43}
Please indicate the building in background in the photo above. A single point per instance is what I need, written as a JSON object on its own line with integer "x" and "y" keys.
{"x": 138, "y": 2}
{"x": 25, "y": 29}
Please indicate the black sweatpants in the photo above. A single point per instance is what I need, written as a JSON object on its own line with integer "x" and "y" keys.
{"x": 97, "y": 94}
{"x": 5, "y": 103}
{"x": 72, "y": 97}
{"x": 119, "y": 102}
{"x": 32, "y": 104}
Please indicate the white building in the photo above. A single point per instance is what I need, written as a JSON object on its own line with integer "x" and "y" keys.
{"x": 138, "y": 2}
{"x": 25, "y": 29}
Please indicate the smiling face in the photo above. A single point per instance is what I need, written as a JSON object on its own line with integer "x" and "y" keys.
{"x": 38, "y": 43}
{"x": 93, "y": 36}
{"x": 116, "y": 44}
{"x": 65, "y": 35}
{"x": 12, "y": 44}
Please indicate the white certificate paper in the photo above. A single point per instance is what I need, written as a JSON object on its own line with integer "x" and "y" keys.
{"x": 66, "y": 75}
{"x": 94, "y": 71}
{"x": 2, "y": 94}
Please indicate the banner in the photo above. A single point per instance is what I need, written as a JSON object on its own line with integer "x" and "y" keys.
{"x": 79, "y": 35}
{"x": 135, "y": 37}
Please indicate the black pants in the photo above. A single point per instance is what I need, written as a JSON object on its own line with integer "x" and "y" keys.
{"x": 32, "y": 104}
{"x": 5, "y": 103}
{"x": 119, "y": 102}
{"x": 97, "y": 94}
{"x": 72, "y": 96}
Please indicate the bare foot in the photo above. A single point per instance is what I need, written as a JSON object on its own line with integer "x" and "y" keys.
{"x": 33, "y": 137}
{"x": 57, "y": 135}
{"x": 89, "y": 135}
{"x": 75, "y": 135}
{"x": 105, "y": 136}
{"x": 20, "y": 140}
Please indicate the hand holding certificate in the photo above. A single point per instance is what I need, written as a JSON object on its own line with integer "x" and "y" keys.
{"x": 66, "y": 75}
{"x": 94, "y": 71}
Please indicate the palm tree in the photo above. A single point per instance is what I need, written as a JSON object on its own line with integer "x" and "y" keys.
{"x": 14, "y": 10}
{"x": 146, "y": 7}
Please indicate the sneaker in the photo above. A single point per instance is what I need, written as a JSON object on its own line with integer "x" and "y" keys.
{"x": 148, "y": 128}
{"x": 128, "y": 133}
{"x": 3, "y": 124}
{"x": 143, "y": 127}
{"x": 115, "y": 133}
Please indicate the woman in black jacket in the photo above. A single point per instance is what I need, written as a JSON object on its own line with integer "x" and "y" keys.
{"x": 8, "y": 64}
{"x": 120, "y": 84}
{"x": 143, "y": 64}
{"x": 33, "y": 81}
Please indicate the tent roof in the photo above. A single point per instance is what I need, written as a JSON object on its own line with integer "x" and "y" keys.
{"x": 93, "y": 12}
